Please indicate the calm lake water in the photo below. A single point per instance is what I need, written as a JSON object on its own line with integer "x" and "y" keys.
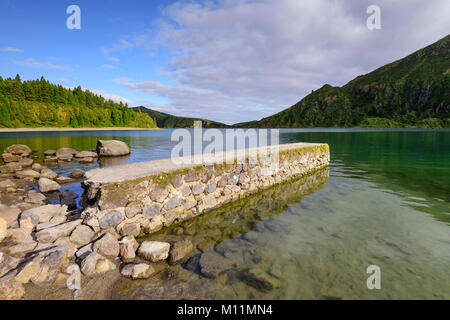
{"x": 383, "y": 201}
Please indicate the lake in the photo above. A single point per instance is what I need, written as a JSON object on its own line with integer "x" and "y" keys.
{"x": 383, "y": 201}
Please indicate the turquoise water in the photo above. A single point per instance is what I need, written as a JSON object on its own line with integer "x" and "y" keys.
{"x": 383, "y": 201}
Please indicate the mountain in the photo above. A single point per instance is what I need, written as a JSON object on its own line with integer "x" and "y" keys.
{"x": 411, "y": 92}
{"x": 164, "y": 120}
{"x": 38, "y": 103}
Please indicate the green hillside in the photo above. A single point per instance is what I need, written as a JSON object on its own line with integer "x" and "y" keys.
{"x": 164, "y": 120}
{"x": 411, "y": 92}
{"x": 39, "y": 103}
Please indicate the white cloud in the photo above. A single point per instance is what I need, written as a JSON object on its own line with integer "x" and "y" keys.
{"x": 237, "y": 60}
{"x": 10, "y": 49}
{"x": 33, "y": 63}
{"x": 109, "y": 66}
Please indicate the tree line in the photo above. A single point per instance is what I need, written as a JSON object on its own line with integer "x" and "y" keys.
{"x": 39, "y": 103}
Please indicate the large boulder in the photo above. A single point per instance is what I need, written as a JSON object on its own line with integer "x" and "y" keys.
{"x": 112, "y": 148}
{"x": 154, "y": 250}
{"x": 18, "y": 149}
{"x": 47, "y": 185}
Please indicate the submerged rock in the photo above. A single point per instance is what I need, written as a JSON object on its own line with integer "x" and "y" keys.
{"x": 212, "y": 264}
{"x": 260, "y": 280}
{"x": 112, "y": 148}
{"x": 69, "y": 199}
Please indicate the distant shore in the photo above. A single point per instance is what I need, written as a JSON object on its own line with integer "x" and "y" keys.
{"x": 71, "y": 129}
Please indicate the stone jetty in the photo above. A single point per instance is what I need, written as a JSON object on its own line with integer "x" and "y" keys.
{"x": 40, "y": 242}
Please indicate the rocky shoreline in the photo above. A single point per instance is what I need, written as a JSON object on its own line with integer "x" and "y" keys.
{"x": 43, "y": 245}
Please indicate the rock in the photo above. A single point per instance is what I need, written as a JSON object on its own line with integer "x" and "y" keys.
{"x": 154, "y": 250}
{"x": 10, "y": 215}
{"x": 83, "y": 252}
{"x": 27, "y": 173}
{"x": 3, "y": 229}
{"x": 86, "y": 154}
{"x": 77, "y": 174}
{"x": 49, "y": 267}
{"x": 37, "y": 167}
{"x": 67, "y": 246}
{"x": 18, "y": 149}
{"x": 65, "y": 154}
{"x": 86, "y": 160}
{"x": 49, "y": 153}
{"x": 69, "y": 199}
{"x": 112, "y": 148}
{"x": 26, "y": 162}
{"x": 212, "y": 186}
{"x": 198, "y": 189}
{"x": 82, "y": 235}
{"x": 131, "y": 229}
{"x": 159, "y": 194}
{"x": 209, "y": 201}
{"x": 51, "y": 159}
{"x": 13, "y": 167}
{"x": 137, "y": 271}
{"x": 7, "y": 263}
{"x": 35, "y": 197}
{"x": 95, "y": 264}
{"x": 133, "y": 209}
{"x": 179, "y": 250}
{"x": 64, "y": 180}
{"x": 151, "y": 210}
{"x": 260, "y": 280}
{"x": 21, "y": 249}
{"x": 7, "y": 184}
{"x": 19, "y": 235}
{"x": 107, "y": 246}
{"x": 44, "y": 213}
{"x": 10, "y": 289}
{"x": 8, "y": 157}
{"x": 110, "y": 220}
{"x": 49, "y": 174}
{"x": 52, "y": 234}
{"x": 212, "y": 264}
{"x": 128, "y": 247}
{"x": 172, "y": 203}
{"x": 47, "y": 185}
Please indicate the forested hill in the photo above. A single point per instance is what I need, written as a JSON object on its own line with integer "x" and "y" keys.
{"x": 38, "y": 103}
{"x": 164, "y": 120}
{"x": 411, "y": 92}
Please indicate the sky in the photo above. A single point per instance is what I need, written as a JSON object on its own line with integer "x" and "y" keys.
{"x": 224, "y": 60}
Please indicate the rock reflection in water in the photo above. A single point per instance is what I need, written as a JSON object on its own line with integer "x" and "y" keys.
{"x": 112, "y": 161}
{"x": 212, "y": 235}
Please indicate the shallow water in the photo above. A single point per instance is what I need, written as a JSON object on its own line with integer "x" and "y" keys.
{"x": 384, "y": 201}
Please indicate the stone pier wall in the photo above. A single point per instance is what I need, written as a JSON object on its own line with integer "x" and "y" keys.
{"x": 144, "y": 197}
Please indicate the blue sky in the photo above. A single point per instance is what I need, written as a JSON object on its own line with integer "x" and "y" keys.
{"x": 226, "y": 60}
